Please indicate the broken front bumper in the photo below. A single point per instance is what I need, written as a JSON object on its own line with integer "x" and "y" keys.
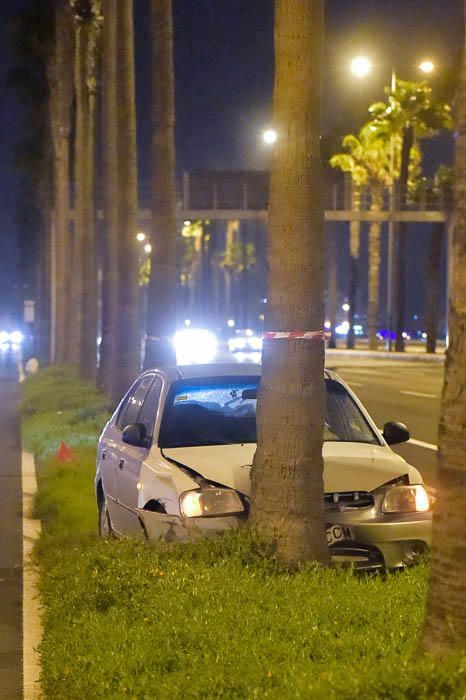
{"x": 173, "y": 528}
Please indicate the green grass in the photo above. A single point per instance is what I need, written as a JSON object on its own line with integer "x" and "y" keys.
{"x": 213, "y": 619}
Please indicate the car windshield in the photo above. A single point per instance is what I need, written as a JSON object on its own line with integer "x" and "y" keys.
{"x": 223, "y": 412}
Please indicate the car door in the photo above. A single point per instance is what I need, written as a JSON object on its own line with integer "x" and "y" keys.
{"x": 125, "y": 518}
{"x": 133, "y": 457}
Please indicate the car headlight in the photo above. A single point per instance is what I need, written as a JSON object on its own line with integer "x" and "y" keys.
{"x": 210, "y": 502}
{"x": 406, "y": 499}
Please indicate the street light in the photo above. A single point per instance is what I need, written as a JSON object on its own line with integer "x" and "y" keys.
{"x": 269, "y": 136}
{"x": 147, "y": 248}
{"x": 361, "y": 66}
{"x": 427, "y": 67}
{"x": 141, "y": 236}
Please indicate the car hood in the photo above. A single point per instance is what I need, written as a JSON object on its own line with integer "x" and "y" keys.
{"x": 347, "y": 466}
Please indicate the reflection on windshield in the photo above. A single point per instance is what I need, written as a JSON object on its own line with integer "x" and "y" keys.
{"x": 222, "y": 412}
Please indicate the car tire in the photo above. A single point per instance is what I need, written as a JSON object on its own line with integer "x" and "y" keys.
{"x": 105, "y": 524}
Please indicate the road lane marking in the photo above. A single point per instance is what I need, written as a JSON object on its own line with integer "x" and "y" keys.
{"x": 32, "y": 624}
{"x": 419, "y": 393}
{"x": 426, "y": 445}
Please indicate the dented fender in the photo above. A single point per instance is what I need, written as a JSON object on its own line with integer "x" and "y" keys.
{"x": 170, "y": 528}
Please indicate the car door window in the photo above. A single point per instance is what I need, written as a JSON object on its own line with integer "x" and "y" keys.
{"x": 130, "y": 412}
{"x": 149, "y": 408}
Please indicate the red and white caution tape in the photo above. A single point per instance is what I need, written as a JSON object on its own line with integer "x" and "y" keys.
{"x": 293, "y": 335}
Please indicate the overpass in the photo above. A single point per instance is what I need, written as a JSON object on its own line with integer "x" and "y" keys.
{"x": 240, "y": 194}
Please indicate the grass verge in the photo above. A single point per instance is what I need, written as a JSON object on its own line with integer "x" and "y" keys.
{"x": 214, "y": 619}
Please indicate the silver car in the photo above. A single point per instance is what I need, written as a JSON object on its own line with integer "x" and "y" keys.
{"x": 174, "y": 461}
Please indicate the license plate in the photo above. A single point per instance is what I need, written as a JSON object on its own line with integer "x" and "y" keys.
{"x": 337, "y": 533}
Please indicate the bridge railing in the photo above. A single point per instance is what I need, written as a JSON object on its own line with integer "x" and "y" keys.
{"x": 249, "y": 191}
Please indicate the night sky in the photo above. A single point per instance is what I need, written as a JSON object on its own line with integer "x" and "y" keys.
{"x": 224, "y": 74}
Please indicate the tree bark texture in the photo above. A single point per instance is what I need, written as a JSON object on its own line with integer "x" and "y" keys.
{"x": 107, "y": 366}
{"x": 161, "y": 322}
{"x": 374, "y": 271}
{"x": 433, "y": 286}
{"x": 445, "y": 623}
{"x": 60, "y": 80}
{"x": 127, "y": 360}
{"x": 399, "y": 292}
{"x": 287, "y": 474}
{"x": 89, "y": 313}
{"x": 355, "y": 241}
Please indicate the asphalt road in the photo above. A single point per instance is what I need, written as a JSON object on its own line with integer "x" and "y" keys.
{"x": 10, "y": 535}
{"x": 404, "y": 391}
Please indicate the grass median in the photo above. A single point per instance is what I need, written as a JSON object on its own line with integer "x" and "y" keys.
{"x": 213, "y": 619}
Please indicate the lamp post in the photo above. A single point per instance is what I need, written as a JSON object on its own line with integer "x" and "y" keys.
{"x": 361, "y": 67}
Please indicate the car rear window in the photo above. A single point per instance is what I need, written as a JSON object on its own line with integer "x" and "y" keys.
{"x": 223, "y": 412}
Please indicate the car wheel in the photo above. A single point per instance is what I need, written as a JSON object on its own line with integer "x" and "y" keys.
{"x": 105, "y": 524}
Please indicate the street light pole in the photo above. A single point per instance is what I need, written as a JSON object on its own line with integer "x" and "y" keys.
{"x": 391, "y": 228}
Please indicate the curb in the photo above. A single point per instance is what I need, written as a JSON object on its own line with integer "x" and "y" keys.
{"x": 32, "y": 622}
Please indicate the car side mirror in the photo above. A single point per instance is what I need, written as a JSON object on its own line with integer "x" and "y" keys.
{"x": 394, "y": 433}
{"x": 135, "y": 434}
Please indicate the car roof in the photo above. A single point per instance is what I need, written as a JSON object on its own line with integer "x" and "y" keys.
{"x": 230, "y": 369}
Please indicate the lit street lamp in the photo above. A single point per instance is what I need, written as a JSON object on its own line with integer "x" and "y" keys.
{"x": 141, "y": 236}
{"x": 361, "y": 66}
{"x": 269, "y": 136}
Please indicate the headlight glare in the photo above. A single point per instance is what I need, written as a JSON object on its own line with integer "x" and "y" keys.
{"x": 406, "y": 499}
{"x": 210, "y": 502}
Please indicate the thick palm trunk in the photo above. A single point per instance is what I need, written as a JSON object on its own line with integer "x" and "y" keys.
{"x": 81, "y": 214}
{"x": 399, "y": 292}
{"x": 107, "y": 367}
{"x": 445, "y": 624}
{"x": 355, "y": 239}
{"x": 287, "y": 482}
{"x": 161, "y": 322}
{"x": 89, "y": 313}
{"x": 374, "y": 270}
{"x": 433, "y": 286}
{"x": 127, "y": 359}
{"x": 60, "y": 80}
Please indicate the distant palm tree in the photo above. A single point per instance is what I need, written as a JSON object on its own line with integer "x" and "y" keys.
{"x": 445, "y": 624}
{"x": 60, "y": 83}
{"x": 287, "y": 473}
{"x": 410, "y": 113}
{"x": 368, "y": 161}
{"x": 163, "y": 282}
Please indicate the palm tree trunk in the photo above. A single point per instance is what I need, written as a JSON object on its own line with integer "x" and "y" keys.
{"x": 161, "y": 322}
{"x": 127, "y": 359}
{"x": 81, "y": 214}
{"x": 60, "y": 81}
{"x": 399, "y": 292}
{"x": 110, "y": 197}
{"x": 88, "y": 358}
{"x": 374, "y": 270}
{"x": 433, "y": 286}
{"x": 355, "y": 238}
{"x": 445, "y": 623}
{"x": 287, "y": 474}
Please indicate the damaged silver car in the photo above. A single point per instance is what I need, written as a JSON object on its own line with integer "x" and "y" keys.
{"x": 174, "y": 462}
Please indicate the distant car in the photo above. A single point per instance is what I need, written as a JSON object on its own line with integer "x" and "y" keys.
{"x": 174, "y": 461}
{"x": 245, "y": 341}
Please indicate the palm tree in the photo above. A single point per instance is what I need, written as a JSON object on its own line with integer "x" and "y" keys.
{"x": 127, "y": 356}
{"x": 445, "y": 623}
{"x": 411, "y": 113}
{"x": 287, "y": 474}
{"x": 87, "y": 15}
{"x": 60, "y": 81}
{"x": 368, "y": 162}
{"x": 161, "y": 319}
{"x": 110, "y": 201}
